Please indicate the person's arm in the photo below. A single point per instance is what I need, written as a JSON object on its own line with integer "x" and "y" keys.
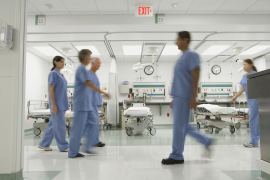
{"x": 238, "y": 94}
{"x": 195, "y": 74}
{"x": 90, "y": 85}
{"x": 54, "y": 107}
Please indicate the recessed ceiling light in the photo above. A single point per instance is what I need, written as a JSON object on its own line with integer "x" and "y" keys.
{"x": 132, "y": 50}
{"x": 215, "y": 49}
{"x": 48, "y": 51}
{"x": 255, "y": 50}
{"x": 170, "y": 50}
{"x": 93, "y": 49}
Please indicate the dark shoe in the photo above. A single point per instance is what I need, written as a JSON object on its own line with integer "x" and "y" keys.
{"x": 79, "y": 155}
{"x": 100, "y": 144}
{"x": 171, "y": 161}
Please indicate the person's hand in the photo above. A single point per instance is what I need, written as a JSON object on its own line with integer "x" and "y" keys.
{"x": 192, "y": 103}
{"x": 171, "y": 103}
{"x": 233, "y": 99}
{"x": 107, "y": 95}
{"x": 54, "y": 109}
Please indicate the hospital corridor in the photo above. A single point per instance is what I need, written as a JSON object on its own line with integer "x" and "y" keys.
{"x": 135, "y": 89}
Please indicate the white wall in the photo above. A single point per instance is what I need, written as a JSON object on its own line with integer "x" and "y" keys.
{"x": 37, "y": 71}
{"x": 165, "y": 70}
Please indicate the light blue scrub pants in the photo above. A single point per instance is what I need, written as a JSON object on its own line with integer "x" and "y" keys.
{"x": 181, "y": 128}
{"x": 254, "y": 124}
{"x": 92, "y": 127}
{"x": 76, "y": 132}
{"x": 56, "y": 128}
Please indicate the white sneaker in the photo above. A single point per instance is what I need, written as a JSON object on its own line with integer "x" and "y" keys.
{"x": 45, "y": 148}
{"x": 248, "y": 145}
{"x": 66, "y": 150}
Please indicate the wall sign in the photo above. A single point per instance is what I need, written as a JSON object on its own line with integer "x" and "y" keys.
{"x": 160, "y": 18}
{"x": 40, "y": 20}
{"x": 144, "y": 11}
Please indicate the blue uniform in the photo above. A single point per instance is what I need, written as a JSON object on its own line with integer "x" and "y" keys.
{"x": 82, "y": 106}
{"x": 253, "y": 114}
{"x": 181, "y": 92}
{"x": 57, "y": 127}
{"x": 92, "y": 124}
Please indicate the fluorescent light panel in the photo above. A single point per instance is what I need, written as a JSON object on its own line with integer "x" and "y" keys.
{"x": 170, "y": 50}
{"x": 132, "y": 50}
{"x": 215, "y": 49}
{"x": 254, "y": 50}
{"x": 93, "y": 49}
{"x": 48, "y": 51}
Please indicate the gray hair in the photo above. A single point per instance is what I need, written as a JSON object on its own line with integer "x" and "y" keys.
{"x": 94, "y": 59}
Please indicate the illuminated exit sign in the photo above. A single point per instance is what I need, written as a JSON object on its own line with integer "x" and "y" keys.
{"x": 144, "y": 11}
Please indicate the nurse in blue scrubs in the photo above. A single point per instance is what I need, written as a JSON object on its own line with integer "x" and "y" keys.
{"x": 58, "y": 103}
{"x": 184, "y": 88}
{"x": 252, "y": 105}
{"x": 82, "y": 104}
{"x": 92, "y": 124}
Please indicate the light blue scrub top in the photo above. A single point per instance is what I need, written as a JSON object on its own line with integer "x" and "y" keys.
{"x": 182, "y": 81}
{"x": 243, "y": 83}
{"x": 82, "y": 95}
{"x": 60, "y": 90}
{"x": 96, "y": 97}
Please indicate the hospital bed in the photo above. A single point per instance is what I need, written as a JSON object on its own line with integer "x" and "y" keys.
{"x": 242, "y": 115}
{"x": 210, "y": 110}
{"x": 139, "y": 118}
{"x": 40, "y": 110}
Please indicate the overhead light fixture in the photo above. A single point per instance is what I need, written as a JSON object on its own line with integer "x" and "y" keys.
{"x": 255, "y": 49}
{"x": 50, "y": 6}
{"x": 93, "y": 49}
{"x": 215, "y": 49}
{"x": 170, "y": 50}
{"x": 48, "y": 51}
{"x": 174, "y": 5}
{"x": 132, "y": 50}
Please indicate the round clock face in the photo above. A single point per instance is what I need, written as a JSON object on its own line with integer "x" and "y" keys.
{"x": 216, "y": 69}
{"x": 148, "y": 70}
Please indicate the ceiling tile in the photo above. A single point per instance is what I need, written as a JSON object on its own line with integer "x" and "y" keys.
{"x": 206, "y": 6}
{"x": 166, "y": 5}
{"x": 55, "y": 13}
{"x": 98, "y": 43}
{"x": 57, "y": 5}
{"x": 83, "y": 12}
{"x": 260, "y": 6}
{"x": 236, "y": 5}
{"x": 112, "y": 6}
{"x": 31, "y": 7}
{"x": 80, "y": 5}
{"x": 34, "y": 13}
{"x": 112, "y": 12}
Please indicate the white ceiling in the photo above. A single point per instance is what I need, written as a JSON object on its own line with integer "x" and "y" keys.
{"x": 117, "y": 47}
{"x": 75, "y": 7}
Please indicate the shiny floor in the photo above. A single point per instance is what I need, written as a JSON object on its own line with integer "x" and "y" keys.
{"x": 139, "y": 157}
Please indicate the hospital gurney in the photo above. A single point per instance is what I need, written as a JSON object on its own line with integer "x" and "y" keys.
{"x": 209, "y": 110}
{"x": 242, "y": 116}
{"x": 139, "y": 118}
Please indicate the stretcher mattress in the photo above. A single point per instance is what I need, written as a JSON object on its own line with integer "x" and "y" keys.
{"x": 40, "y": 112}
{"x": 137, "y": 111}
{"x": 217, "y": 109}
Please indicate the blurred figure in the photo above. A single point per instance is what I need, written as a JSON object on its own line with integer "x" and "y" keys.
{"x": 58, "y": 103}
{"x": 252, "y": 105}
{"x": 82, "y": 103}
{"x": 92, "y": 124}
{"x": 184, "y": 88}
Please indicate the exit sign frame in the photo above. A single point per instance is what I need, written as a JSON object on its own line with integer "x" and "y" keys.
{"x": 144, "y": 11}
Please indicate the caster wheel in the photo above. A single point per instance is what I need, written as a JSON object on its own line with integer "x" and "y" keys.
{"x": 238, "y": 125}
{"x": 129, "y": 132}
{"x": 198, "y": 125}
{"x": 152, "y": 131}
{"x": 37, "y": 131}
{"x": 232, "y": 129}
{"x": 210, "y": 129}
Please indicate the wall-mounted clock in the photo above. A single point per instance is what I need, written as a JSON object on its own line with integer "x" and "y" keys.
{"x": 216, "y": 69}
{"x": 148, "y": 70}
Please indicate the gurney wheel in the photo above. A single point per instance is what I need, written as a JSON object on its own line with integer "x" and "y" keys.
{"x": 129, "y": 132}
{"x": 198, "y": 125}
{"x": 37, "y": 131}
{"x": 152, "y": 131}
{"x": 232, "y": 129}
{"x": 238, "y": 125}
{"x": 210, "y": 129}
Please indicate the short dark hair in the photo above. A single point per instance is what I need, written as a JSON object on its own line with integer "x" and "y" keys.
{"x": 184, "y": 34}
{"x": 83, "y": 53}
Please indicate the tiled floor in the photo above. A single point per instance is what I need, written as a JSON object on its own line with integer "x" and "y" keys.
{"x": 139, "y": 157}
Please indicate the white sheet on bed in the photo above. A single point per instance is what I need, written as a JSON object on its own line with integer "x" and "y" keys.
{"x": 137, "y": 111}
{"x": 40, "y": 112}
{"x": 218, "y": 110}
